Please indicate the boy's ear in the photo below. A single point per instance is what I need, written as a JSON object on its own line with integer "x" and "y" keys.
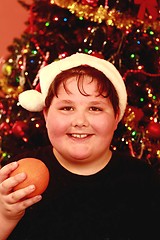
{"x": 45, "y": 113}
{"x": 117, "y": 119}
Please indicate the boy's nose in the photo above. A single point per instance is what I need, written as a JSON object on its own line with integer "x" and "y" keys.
{"x": 80, "y": 120}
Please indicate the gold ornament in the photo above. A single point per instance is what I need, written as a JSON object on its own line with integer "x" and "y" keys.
{"x": 7, "y": 69}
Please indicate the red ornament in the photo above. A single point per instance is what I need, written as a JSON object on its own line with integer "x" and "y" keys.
{"x": 5, "y": 127}
{"x": 19, "y": 128}
{"x": 137, "y": 112}
{"x": 3, "y": 108}
{"x": 153, "y": 130}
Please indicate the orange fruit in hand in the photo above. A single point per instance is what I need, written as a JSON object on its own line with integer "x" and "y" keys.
{"x": 37, "y": 174}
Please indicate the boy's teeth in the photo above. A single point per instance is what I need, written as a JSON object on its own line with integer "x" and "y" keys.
{"x": 79, "y": 135}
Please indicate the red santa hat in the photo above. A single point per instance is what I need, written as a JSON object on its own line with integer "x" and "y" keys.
{"x": 34, "y": 101}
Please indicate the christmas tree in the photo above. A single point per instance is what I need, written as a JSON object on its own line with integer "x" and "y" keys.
{"x": 126, "y": 33}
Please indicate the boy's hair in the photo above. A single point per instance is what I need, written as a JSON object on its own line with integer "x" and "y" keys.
{"x": 104, "y": 86}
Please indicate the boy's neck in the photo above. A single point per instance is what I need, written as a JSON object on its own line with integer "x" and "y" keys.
{"x": 84, "y": 167}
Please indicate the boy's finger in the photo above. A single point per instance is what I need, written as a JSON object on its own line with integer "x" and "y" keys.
{"x": 6, "y": 170}
{"x": 7, "y": 185}
{"x": 20, "y": 194}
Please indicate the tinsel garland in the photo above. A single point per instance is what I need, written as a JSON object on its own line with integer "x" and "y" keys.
{"x": 104, "y": 14}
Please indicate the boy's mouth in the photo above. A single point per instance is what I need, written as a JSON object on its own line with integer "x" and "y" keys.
{"x": 76, "y": 135}
{"x": 79, "y": 135}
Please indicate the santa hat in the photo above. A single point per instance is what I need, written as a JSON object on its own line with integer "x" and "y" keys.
{"x": 34, "y": 101}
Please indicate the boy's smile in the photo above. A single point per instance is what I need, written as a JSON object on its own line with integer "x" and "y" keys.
{"x": 79, "y": 136}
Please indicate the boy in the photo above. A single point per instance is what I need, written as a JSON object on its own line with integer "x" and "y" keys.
{"x": 93, "y": 193}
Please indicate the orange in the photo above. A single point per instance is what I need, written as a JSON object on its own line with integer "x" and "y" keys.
{"x": 37, "y": 174}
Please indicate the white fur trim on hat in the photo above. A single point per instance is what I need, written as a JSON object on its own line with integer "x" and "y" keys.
{"x": 32, "y": 101}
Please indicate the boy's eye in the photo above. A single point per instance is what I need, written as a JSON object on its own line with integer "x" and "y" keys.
{"x": 95, "y": 109}
{"x": 67, "y": 108}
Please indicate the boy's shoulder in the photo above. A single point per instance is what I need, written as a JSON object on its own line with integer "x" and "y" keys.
{"x": 132, "y": 164}
{"x": 42, "y": 153}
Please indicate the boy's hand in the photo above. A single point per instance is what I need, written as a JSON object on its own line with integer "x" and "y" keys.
{"x": 14, "y": 203}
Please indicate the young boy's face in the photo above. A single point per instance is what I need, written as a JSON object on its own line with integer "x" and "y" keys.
{"x": 80, "y": 127}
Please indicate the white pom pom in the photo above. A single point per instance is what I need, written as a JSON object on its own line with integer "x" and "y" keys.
{"x": 31, "y": 100}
